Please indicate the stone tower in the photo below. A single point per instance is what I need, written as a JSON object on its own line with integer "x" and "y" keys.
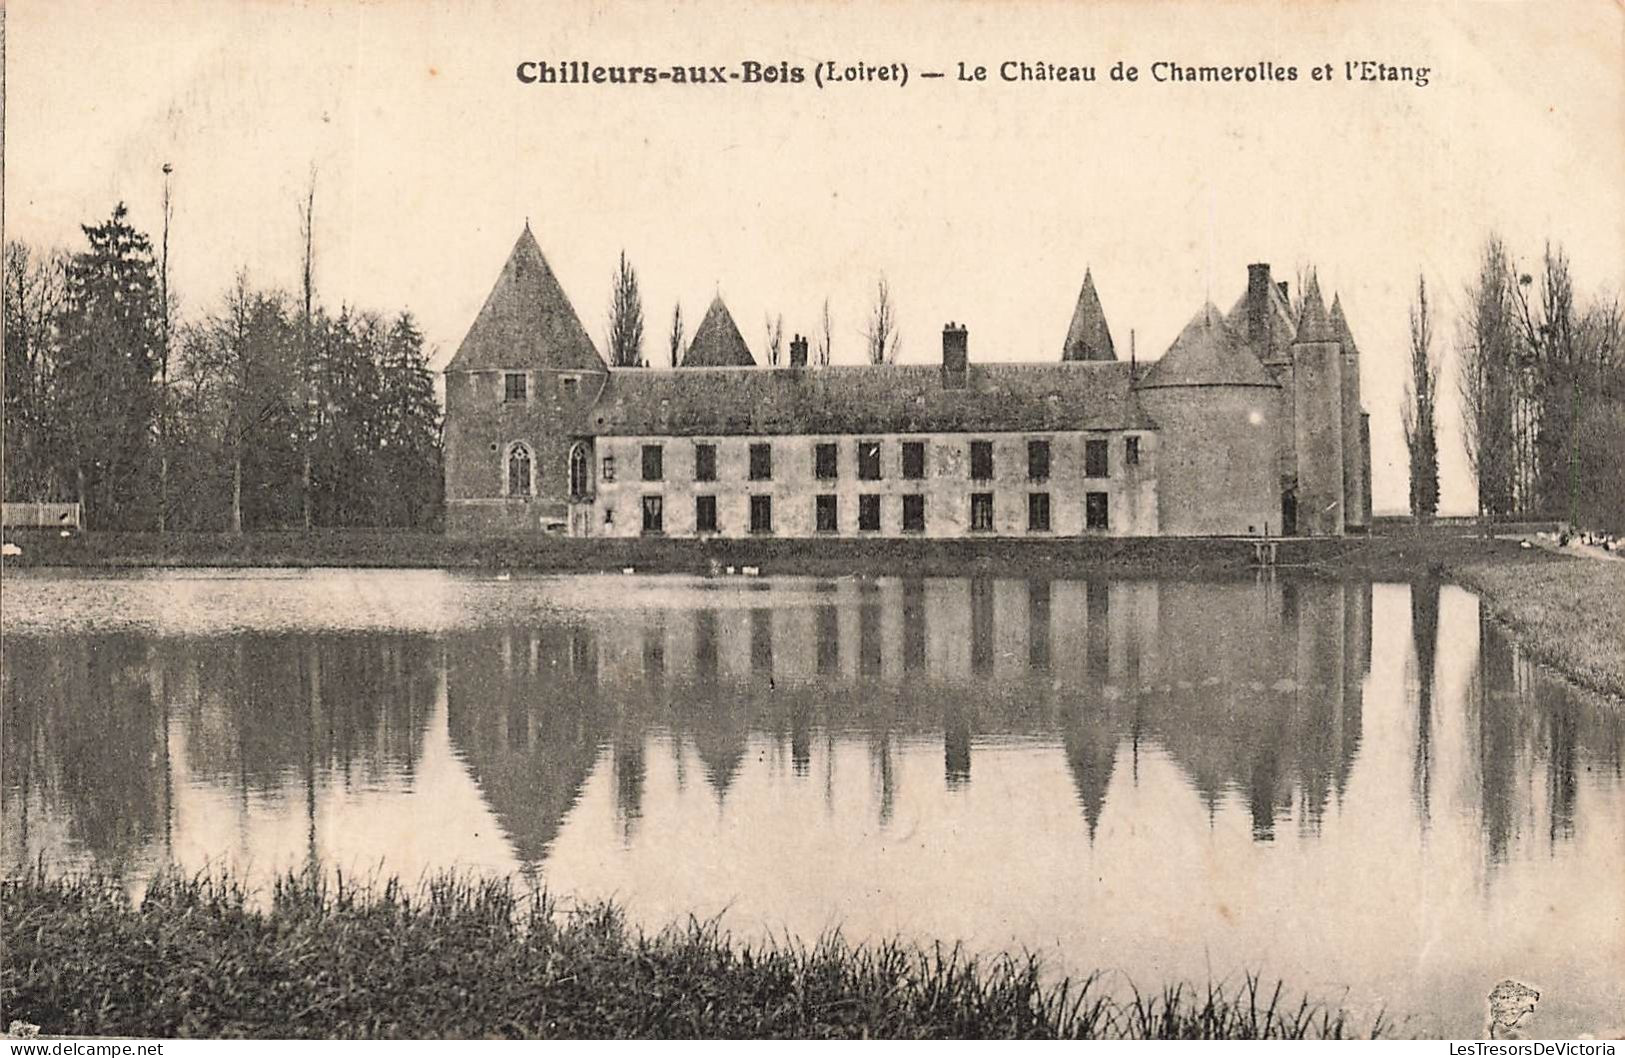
{"x": 1356, "y": 460}
{"x": 1317, "y": 397}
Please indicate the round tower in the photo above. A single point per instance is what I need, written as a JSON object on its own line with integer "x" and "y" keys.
{"x": 1318, "y": 432}
{"x": 1216, "y": 409}
{"x": 1356, "y": 460}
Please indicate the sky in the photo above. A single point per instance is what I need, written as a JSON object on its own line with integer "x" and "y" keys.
{"x": 980, "y": 202}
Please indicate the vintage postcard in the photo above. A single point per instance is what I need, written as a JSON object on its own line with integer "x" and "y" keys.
{"x": 814, "y": 520}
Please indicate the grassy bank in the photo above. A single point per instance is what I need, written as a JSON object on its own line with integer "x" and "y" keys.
{"x": 1566, "y": 612}
{"x": 472, "y": 959}
{"x": 1396, "y": 555}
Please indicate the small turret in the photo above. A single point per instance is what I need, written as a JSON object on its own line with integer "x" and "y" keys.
{"x": 1088, "y": 338}
{"x": 1318, "y": 418}
{"x": 1356, "y": 460}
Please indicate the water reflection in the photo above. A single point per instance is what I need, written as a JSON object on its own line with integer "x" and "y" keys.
{"x": 965, "y": 756}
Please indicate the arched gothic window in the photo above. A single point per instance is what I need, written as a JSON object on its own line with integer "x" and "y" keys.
{"x": 579, "y": 470}
{"x": 519, "y": 469}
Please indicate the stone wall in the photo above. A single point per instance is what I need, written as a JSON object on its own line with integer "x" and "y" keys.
{"x": 1318, "y": 395}
{"x": 1218, "y": 461}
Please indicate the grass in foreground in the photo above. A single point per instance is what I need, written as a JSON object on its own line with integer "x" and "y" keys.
{"x": 459, "y": 958}
{"x": 1569, "y": 613}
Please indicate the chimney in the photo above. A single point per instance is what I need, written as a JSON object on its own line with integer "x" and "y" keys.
{"x": 1258, "y": 305}
{"x": 798, "y": 351}
{"x": 955, "y": 356}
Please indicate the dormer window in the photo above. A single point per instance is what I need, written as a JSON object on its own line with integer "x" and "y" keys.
{"x": 515, "y": 387}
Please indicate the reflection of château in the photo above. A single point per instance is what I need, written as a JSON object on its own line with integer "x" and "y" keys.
{"x": 1254, "y": 690}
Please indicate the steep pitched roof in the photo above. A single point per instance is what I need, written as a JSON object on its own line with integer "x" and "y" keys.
{"x": 1088, "y": 338}
{"x": 526, "y": 323}
{"x": 1313, "y": 324}
{"x": 855, "y": 399}
{"x": 717, "y": 342}
{"x": 1340, "y": 327}
{"x": 1208, "y": 352}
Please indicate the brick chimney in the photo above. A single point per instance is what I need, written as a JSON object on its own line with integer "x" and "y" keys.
{"x": 955, "y": 356}
{"x": 1258, "y": 305}
{"x": 798, "y": 351}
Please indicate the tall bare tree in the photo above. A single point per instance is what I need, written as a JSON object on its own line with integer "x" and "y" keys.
{"x": 775, "y": 339}
{"x": 164, "y": 324}
{"x": 626, "y": 318}
{"x": 884, "y": 340}
{"x": 826, "y": 336}
{"x": 675, "y": 338}
{"x": 1418, "y": 412}
{"x": 307, "y": 395}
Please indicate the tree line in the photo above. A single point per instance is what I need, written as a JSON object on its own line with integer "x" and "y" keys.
{"x": 265, "y": 411}
{"x": 1541, "y": 377}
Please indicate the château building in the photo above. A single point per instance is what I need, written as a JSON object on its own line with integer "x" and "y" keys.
{"x": 1249, "y": 424}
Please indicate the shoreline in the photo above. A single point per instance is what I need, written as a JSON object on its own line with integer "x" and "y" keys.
{"x": 1567, "y": 611}
{"x": 472, "y": 958}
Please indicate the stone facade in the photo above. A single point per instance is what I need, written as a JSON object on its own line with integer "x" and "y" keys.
{"x": 1247, "y": 425}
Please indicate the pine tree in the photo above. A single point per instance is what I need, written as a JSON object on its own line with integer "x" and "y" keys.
{"x": 111, "y": 353}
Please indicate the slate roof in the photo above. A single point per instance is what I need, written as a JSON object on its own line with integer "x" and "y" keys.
{"x": 1088, "y": 338}
{"x": 1208, "y": 352}
{"x": 1340, "y": 327}
{"x": 717, "y": 342}
{"x": 1313, "y": 323}
{"x": 527, "y": 322}
{"x": 858, "y": 399}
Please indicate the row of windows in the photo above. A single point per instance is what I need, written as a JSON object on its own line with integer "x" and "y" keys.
{"x": 826, "y": 460}
{"x": 826, "y": 513}
{"x": 516, "y": 386}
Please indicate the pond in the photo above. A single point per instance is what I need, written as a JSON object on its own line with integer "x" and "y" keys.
{"x": 1361, "y": 789}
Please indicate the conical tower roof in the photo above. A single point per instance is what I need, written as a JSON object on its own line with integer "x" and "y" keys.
{"x": 1088, "y": 338}
{"x": 1207, "y": 353}
{"x": 1340, "y": 327}
{"x": 526, "y": 323}
{"x": 717, "y": 342}
{"x": 1313, "y": 323}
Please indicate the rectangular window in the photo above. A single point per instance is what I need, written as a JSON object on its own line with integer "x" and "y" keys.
{"x": 761, "y": 462}
{"x": 868, "y": 460}
{"x": 515, "y": 386}
{"x": 981, "y": 512}
{"x": 568, "y": 385}
{"x": 1131, "y": 451}
{"x": 1096, "y": 511}
{"x": 607, "y": 471}
{"x": 761, "y": 514}
{"x": 825, "y": 465}
{"x": 914, "y": 460}
{"x": 705, "y": 514}
{"x": 1094, "y": 459}
{"x": 705, "y": 462}
{"x": 1038, "y": 512}
{"x": 654, "y": 515}
{"x": 826, "y": 514}
{"x": 1038, "y": 460}
{"x": 654, "y": 463}
{"x": 981, "y": 460}
{"x": 914, "y": 514}
{"x": 869, "y": 513}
